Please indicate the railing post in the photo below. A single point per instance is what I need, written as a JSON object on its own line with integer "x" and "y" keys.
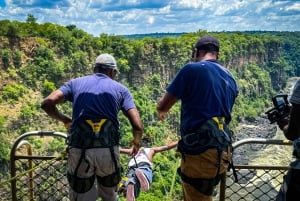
{"x": 222, "y": 187}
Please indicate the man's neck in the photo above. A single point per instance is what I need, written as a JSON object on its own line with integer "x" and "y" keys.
{"x": 209, "y": 56}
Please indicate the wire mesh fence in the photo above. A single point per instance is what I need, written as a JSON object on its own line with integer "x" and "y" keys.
{"x": 254, "y": 184}
{"x": 261, "y": 175}
{"x": 46, "y": 183}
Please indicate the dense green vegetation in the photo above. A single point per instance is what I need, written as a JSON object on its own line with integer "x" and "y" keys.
{"x": 37, "y": 58}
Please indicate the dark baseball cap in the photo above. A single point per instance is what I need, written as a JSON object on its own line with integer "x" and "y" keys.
{"x": 208, "y": 43}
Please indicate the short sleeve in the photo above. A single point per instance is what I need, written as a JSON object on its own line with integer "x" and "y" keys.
{"x": 295, "y": 97}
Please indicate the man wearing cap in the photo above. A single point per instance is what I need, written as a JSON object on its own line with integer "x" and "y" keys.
{"x": 207, "y": 92}
{"x": 93, "y": 143}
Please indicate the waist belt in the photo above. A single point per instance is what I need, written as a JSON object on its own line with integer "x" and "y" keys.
{"x": 214, "y": 133}
{"x": 94, "y": 133}
{"x": 143, "y": 164}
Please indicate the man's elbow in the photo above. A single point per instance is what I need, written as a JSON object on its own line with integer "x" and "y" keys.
{"x": 44, "y": 104}
{"x": 47, "y": 105}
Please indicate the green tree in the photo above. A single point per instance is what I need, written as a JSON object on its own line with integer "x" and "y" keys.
{"x": 31, "y": 19}
{"x": 47, "y": 88}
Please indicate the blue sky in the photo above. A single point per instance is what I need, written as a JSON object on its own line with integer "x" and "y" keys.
{"x": 121, "y": 17}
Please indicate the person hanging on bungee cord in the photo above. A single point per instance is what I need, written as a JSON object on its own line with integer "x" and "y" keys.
{"x": 140, "y": 169}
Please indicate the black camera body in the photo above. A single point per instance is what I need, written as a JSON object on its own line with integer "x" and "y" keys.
{"x": 281, "y": 108}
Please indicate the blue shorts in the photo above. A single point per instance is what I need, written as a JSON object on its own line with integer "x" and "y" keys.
{"x": 147, "y": 171}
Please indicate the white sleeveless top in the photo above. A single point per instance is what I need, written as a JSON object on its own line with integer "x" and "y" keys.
{"x": 141, "y": 156}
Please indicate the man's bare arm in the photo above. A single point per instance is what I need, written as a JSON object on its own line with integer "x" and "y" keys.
{"x": 49, "y": 106}
{"x": 155, "y": 150}
{"x": 125, "y": 151}
{"x": 165, "y": 104}
{"x": 166, "y": 147}
{"x": 137, "y": 129}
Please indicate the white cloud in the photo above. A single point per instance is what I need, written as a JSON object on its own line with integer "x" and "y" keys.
{"x": 148, "y": 16}
{"x": 190, "y": 3}
{"x": 165, "y": 9}
{"x": 151, "y": 20}
{"x": 294, "y": 7}
{"x": 130, "y": 16}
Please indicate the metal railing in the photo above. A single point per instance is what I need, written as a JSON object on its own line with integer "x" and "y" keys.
{"x": 35, "y": 178}
{"x": 255, "y": 182}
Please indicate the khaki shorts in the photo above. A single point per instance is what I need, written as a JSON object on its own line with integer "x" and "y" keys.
{"x": 205, "y": 166}
{"x": 97, "y": 161}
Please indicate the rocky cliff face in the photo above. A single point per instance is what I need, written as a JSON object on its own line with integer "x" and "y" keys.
{"x": 155, "y": 59}
{"x": 151, "y": 63}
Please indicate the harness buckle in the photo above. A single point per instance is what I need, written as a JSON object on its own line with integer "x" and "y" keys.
{"x": 220, "y": 122}
{"x": 96, "y": 126}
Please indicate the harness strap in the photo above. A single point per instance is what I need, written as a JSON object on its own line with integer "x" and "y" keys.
{"x": 136, "y": 165}
{"x": 231, "y": 166}
{"x": 205, "y": 186}
{"x": 82, "y": 157}
{"x": 81, "y": 185}
{"x": 114, "y": 158}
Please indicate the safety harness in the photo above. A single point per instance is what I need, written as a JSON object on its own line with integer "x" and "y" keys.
{"x": 122, "y": 186}
{"x": 130, "y": 173}
{"x": 214, "y": 133}
{"x": 88, "y": 134}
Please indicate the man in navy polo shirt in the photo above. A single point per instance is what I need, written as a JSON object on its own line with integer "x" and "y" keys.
{"x": 207, "y": 92}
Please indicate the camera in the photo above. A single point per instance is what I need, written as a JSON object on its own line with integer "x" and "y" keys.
{"x": 281, "y": 108}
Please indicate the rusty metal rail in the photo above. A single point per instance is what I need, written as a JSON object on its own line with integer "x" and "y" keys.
{"x": 36, "y": 177}
{"x": 45, "y": 176}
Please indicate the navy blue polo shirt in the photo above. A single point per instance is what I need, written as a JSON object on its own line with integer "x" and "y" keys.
{"x": 206, "y": 89}
{"x": 97, "y": 96}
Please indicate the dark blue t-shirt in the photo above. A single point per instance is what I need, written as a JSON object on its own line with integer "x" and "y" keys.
{"x": 97, "y": 96}
{"x": 206, "y": 89}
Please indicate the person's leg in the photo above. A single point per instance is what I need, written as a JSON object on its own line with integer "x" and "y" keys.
{"x": 130, "y": 192}
{"x": 144, "y": 176}
{"x": 88, "y": 196}
{"x": 73, "y": 161}
{"x": 132, "y": 186}
{"x": 204, "y": 166}
{"x": 105, "y": 166}
{"x": 107, "y": 193}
